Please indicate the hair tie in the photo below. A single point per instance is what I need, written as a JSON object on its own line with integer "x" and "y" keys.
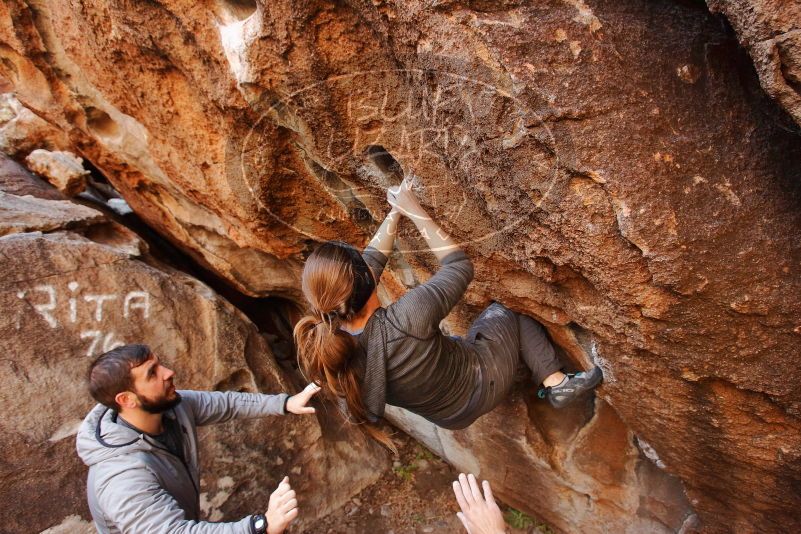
{"x": 326, "y": 317}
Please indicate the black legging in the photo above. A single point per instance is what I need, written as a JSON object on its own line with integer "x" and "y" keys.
{"x": 502, "y": 339}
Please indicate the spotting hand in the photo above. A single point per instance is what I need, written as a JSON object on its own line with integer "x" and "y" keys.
{"x": 480, "y": 514}
{"x": 297, "y": 403}
{"x": 283, "y": 508}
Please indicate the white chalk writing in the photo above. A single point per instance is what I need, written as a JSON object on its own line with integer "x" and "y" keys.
{"x": 45, "y": 309}
{"x": 100, "y": 309}
{"x": 73, "y": 286}
{"x": 100, "y": 299}
{"x": 108, "y": 342}
{"x": 142, "y": 302}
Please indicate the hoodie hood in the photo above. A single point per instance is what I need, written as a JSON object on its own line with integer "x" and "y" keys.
{"x": 101, "y": 437}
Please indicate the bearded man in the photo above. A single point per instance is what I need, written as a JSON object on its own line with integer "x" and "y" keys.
{"x": 140, "y": 443}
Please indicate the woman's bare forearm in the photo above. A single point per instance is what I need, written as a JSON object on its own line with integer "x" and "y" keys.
{"x": 440, "y": 243}
{"x": 384, "y": 238}
{"x": 405, "y": 201}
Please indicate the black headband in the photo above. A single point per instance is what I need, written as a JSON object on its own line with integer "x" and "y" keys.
{"x": 363, "y": 281}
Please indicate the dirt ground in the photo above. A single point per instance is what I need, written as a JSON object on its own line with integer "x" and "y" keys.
{"x": 414, "y": 497}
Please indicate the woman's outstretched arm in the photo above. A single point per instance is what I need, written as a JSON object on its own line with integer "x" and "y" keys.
{"x": 380, "y": 246}
{"x": 421, "y": 309}
{"x": 384, "y": 238}
{"x": 403, "y": 199}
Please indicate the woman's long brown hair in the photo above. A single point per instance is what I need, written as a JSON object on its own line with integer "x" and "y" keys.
{"x": 325, "y": 352}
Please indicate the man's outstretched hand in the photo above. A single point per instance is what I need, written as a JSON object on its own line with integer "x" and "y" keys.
{"x": 282, "y": 509}
{"x": 480, "y": 514}
{"x": 297, "y": 403}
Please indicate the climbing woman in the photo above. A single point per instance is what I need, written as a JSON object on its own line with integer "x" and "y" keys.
{"x": 371, "y": 356}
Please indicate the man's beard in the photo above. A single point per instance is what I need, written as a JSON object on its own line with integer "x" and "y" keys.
{"x": 159, "y": 405}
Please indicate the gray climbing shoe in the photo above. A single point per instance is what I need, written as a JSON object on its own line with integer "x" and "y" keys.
{"x": 574, "y": 387}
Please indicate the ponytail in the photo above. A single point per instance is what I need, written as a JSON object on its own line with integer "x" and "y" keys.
{"x": 325, "y": 352}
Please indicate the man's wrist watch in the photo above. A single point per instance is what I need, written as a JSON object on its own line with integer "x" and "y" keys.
{"x": 258, "y": 524}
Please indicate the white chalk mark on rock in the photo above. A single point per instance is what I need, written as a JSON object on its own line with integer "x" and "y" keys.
{"x": 601, "y": 362}
{"x": 211, "y": 506}
{"x": 650, "y": 453}
{"x": 45, "y": 309}
{"x": 99, "y": 341}
{"x": 99, "y": 299}
{"x": 730, "y": 195}
{"x": 585, "y": 15}
{"x": 95, "y": 335}
{"x": 69, "y": 428}
{"x": 235, "y": 38}
{"x": 137, "y": 300}
{"x": 72, "y": 524}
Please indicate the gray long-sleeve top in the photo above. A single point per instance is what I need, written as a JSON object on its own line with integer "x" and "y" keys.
{"x": 408, "y": 362}
{"x": 136, "y": 486}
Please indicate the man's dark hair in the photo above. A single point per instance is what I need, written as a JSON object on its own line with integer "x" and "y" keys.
{"x": 110, "y": 373}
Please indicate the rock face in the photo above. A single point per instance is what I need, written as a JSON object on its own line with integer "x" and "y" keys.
{"x": 614, "y": 169}
{"x": 75, "y": 284}
{"x": 771, "y": 32}
{"x": 62, "y": 169}
{"x": 21, "y": 131}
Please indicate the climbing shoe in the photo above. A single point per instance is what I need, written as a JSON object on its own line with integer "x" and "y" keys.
{"x": 573, "y": 387}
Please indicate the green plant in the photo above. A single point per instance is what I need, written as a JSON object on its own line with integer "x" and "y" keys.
{"x": 520, "y": 521}
{"x": 517, "y": 519}
{"x": 406, "y": 472}
{"x": 424, "y": 454}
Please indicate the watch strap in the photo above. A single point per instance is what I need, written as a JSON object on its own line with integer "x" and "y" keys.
{"x": 258, "y": 524}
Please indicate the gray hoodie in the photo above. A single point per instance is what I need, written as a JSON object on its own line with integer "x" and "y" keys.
{"x": 136, "y": 485}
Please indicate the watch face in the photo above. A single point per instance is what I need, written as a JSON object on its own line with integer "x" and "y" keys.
{"x": 259, "y": 524}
